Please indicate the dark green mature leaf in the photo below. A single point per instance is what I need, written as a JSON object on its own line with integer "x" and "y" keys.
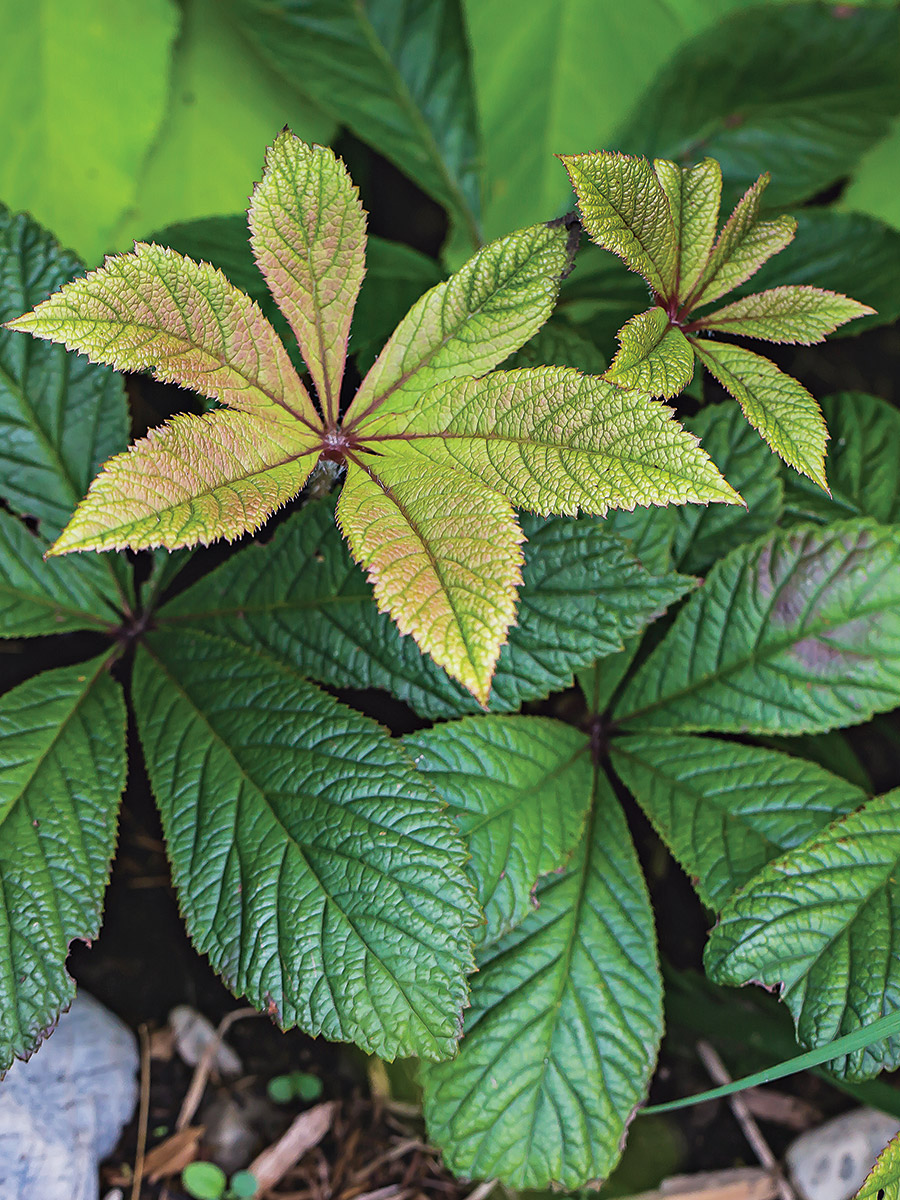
{"x": 801, "y": 92}
{"x": 60, "y": 416}
{"x": 330, "y": 888}
{"x": 302, "y": 598}
{"x": 725, "y": 810}
{"x": 799, "y": 633}
{"x": 844, "y": 252}
{"x": 704, "y": 534}
{"x": 648, "y": 533}
{"x": 600, "y": 295}
{"x": 396, "y": 74}
{"x": 837, "y": 969}
{"x": 564, "y": 1027}
{"x": 62, "y": 771}
{"x": 518, "y": 789}
{"x": 559, "y": 344}
{"x": 38, "y": 597}
{"x": 863, "y": 463}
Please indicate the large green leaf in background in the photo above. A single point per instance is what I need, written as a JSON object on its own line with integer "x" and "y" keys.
{"x": 518, "y": 788}
{"x": 82, "y": 92}
{"x": 396, "y": 73}
{"x": 62, "y": 770}
{"x": 797, "y": 633}
{"x": 314, "y": 865}
{"x": 875, "y": 187}
{"x": 303, "y": 598}
{"x": 565, "y": 1022}
{"x": 801, "y": 91}
{"x": 823, "y": 923}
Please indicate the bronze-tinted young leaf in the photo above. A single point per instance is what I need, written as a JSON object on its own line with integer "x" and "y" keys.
{"x": 156, "y": 309}
{"x": 694, "y": 194}
{"x": 443, "y": 554}
{"x": 308, "y": 232}
{"x": 786, "y": 314}
{"x": 653, "y": 355}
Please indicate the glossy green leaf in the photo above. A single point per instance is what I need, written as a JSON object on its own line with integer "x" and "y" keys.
{"x": 836, "y": 969}
{"x": 802, "y": 91}
{"x": 308, "y": 233}
{"x": 863, "y": 468}
{"x": 60, "y": 416}
{"x": 777, "y": 405}
{"x": 873, "y": 188}
{"x": 799, "y": 633}
{"x": 330, "y": 889}
{"x": 466, "y": 325}
{"x": 518, "y": 789}
{"x": 725, "y": 810}
{"x": 624, "y": 209}
{"x": 396, "y": 74}
{"x": 601, "y": 680}
{"x": 704, "y": 534}
{"x": 653, "y": 356}
{"x": 564, "y": 1027}
{"x": 302, "y": 598}
{"x": 442, "y": 554}
{"x": 883, "y": 1182}
{"x": 786, "y": 314}
{"x": 62, "y": 771}
{"x": 694, "y": 194}
{"x": 38, "y": 597}
{"x": 88, "y": 92}
{"x": 647, "y": 532}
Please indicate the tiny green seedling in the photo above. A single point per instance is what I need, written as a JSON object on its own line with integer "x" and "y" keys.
{"x": 296, "y": 1085}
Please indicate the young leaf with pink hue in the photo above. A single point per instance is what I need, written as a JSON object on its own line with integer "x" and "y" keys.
{"x": 436, "y": 449}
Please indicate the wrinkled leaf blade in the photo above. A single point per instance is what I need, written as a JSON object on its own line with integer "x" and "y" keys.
{"x": 786, "y": 314}
{"x": 694, "y": 194}
{"x": 883, "y": 1181}
{"x": 653, "y": 356}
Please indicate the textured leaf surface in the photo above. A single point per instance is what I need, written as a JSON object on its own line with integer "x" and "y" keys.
{"x": 822, "y": 924}
{"x": 863, "y": 468}
{"x": 38, "y": 597}
{"x": 60, "y": 417}
{"x": 308, "y": 232}
{"x": 397, "y": 74}
{"x": 443, "y": 557}
{"x": 653, "y": 356}
{"x": 559, "y": 344}
{"x": 156, "y": 309}
{"x": 694, "y": 194}
{"x": 624, "y": 209}
{"x": 796, "y": 634}
{"x": 466, "y": 325}
{"x": 801, "y": 93}
{"x": 786, "y": 314}
{"x": 554, "y": 440}
{"x": 564, "y": 1027}
{"x": 193, "y": 480}
{"x": 725, "y": 810}
{"x": 883, "y": 1182}
{"x": 302, "y": 598}
{"x": 314, "y": 866}
{"x": 780, "y": 407}
{"x": 742, "y": 247}
{"x": 518, "y": 789}
{"x": 62, "y": 771}
{"x": 704, "y": 534}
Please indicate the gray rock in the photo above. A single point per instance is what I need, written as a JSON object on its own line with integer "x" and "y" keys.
{"x": 832, "y": 1162}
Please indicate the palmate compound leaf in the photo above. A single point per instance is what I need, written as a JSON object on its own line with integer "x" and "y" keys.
{"x": 62, "y": 771}
{"x": 653, "y": 355}
{"x": 883, "y": 1182}
{"x": 724, "y": 809}
{"x": 796, "y": 633}
{"x": 821, "y": 923}
{"x": 518, "y": 789}
{"x": 301, "y": 597}
{"x": 314, "y": 865}
{"x": 564, "y": 1027}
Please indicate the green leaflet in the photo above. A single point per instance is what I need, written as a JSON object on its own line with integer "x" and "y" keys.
{"x": 301, "y": 598}
{"x": 783, "y": 411}
{"x": 883, "y": 1182}
{"x": 38, "y": 597}
{"x": 693, "y": 194}
{"x": 862, "y": 463}
{"x": 796, "y": 633}
{"x": 653, "y": 356}
{"x": 330, "y": 889}
{"x": 704, "y": 534}
{"x": 725, "y": 810}
{"x": 786, "y": 314}
{"x": 62, "y": 771}
{"x": 565, "y": 1023}
{"x": 396, "y": 74}
{"x": 836, "y": 972}
{"x": 518, "y": 789}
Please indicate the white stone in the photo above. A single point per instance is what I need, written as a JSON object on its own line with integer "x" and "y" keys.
{"x": 831, "y": 1162}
